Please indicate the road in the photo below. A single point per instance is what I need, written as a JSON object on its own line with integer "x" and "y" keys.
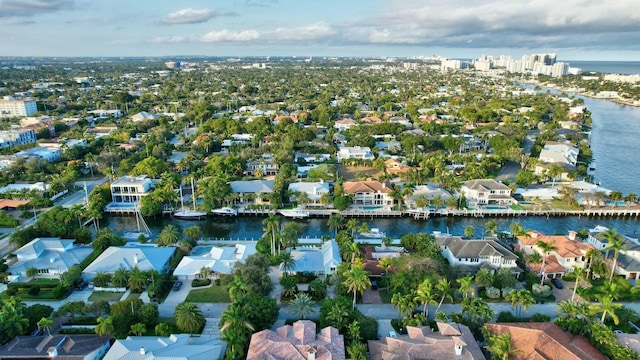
{"x": 78, "y": 196}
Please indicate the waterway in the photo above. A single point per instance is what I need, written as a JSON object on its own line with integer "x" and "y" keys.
{"x": 614, "y": 141}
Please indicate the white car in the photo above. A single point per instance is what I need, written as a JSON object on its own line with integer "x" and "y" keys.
{"x": 392, "y": 334}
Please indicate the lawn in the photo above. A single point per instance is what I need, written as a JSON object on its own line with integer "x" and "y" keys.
{"x": 350, "y": 173}
{"x": 385, "y": 295}
{"x": 105, "y": 295}
{"x": 213, "y": 294}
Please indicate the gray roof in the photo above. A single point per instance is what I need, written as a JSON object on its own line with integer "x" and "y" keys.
{"x": 49, "y": 253}
{"x": 313, "y": 259}
{"x": 67, "y": 346}
{"x": 475, "y": 248}
{"x": 174, "y": 347}
{"x": 218, "y": 259}
{"x": 485, "y": 184}
{"x": 253, "y": 186}
{"x": 128, "y": 257}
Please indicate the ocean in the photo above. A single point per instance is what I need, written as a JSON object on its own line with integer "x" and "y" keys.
{"x": 607, "y": 67}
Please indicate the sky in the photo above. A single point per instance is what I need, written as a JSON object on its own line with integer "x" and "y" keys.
{"x": 573, "y": 29}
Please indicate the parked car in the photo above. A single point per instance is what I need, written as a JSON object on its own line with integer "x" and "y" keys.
{"x": 177, "y": 285}
{"x": 82, "y": 285}
{"x": 557, "y": 283}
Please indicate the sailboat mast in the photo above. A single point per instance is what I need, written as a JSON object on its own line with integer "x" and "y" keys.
{"x": 193, "y": 194}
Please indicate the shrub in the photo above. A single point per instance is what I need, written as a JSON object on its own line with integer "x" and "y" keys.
{"x": 541, "y": 291}
{"x": 59, "y": 291}
{"x": 200, "y": 282}
{"x": 506, "y": 292}
{"x": 540, "y": 317}
{"x": 77, "y": 331}
{"x": 34, "y": 291}
{"x": 492, "y": 292}
{"x": 11, "y": 291}
{"x": 506, "y": 316}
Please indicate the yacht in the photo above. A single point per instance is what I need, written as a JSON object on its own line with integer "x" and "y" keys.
{"x": 225, "y": 211}
{"x": 189, "y": 214}
{"x": 296, "y": 213}
{"x": 374, "y": 233}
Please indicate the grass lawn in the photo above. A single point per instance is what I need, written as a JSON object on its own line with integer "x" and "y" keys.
{"x": 105, "y": 295}
{"x": 350, "y": 173}
{"x": 562, "y": 205}
{"x": 213, "y": 294}
{"x": 133, "y": 296}
{"x": 385, "y": 295}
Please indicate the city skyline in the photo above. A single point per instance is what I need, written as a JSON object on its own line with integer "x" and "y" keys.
{"x": 574, "y": 29}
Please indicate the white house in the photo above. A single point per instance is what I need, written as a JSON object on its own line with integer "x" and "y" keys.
{"x": 142, "y": 116}
{"x": 251, "y": 188}
{"x": 320, "y": 261}
{"x": 129, "y": 189}
{"x": 11, "y": 138}
{"x": 344, "y": 124}
{"x": 51, "y": 256}
{"x": 369, "y": 193}
{"x": 265, "y": 164}
{"x": 48, "y": 154}
{"x": 477, "y": 253}
{"x": 355, "y": 152}
{"x": 144, "y": 257}
{"x": 219, "y": 260}
{"x": 174, "y": 347}
{"x": 486, "y": 192}
{"x": 628, "y": 263}
{"x": 314, "y": 190}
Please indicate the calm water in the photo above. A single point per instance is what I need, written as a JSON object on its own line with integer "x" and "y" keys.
{"x": 608, "y": 67}
{"x": 614, "y": 141}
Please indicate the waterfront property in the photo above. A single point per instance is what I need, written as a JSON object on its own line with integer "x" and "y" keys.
{"x": 451, "y": 341}
{"x": 50, "y": 256}
{"x": 473, "y": 255}
{"x": 299, "y": 341}
{"x": 252, "y": 190}
{"x": 176, "y": 346}
{"x": 628, "y": 263}
{"x": 218, "y": 260}
{"x": 369, "y": 193}
{"x": 143, "y": 257}
{"x": 129, "y": 189}
{"x": 314, "y": 191}
{"x": 320, "y": 261}
{"x": 486, "y": 192}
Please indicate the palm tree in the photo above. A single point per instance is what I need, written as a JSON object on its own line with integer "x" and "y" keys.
{"x": 520, "y": 299}
{"x": 318, "y": 288}
{"x": 335, "y": 223}
{"x": 138, "y": 329}
{"x": 287, "y": 262}
{"x": 237, "y": 288}
{"x": 120, "y": 278}
{"x": 607, "y": 307}
{"x": 45, "y": 324}
{"x": 491, "y": 227}
{"x": 188, "y": 317}
{"x": 78, "y": 210}
{"x": 505, "y": 278}
{"x": 616, "y": 243}
{"x": 352, "y": 225}
{"x": 105, "y": 326}
{"x": 233, "y": 325}
{"x": 302, "y": 305}
{"x": 31, "y": 271}
{"x": 469, "y": 231}
{"x": 356, "y": 280}
{"x": 205, "y": 272}
{"x": 425, "y": 295}
{"x": 162, "y": 329}
{"x": 546, "y": 248}
{"x": 500, "y": 347}
{"x": 443, "y": 288}
{"x": 137, "y": 280}
{"x": 353, "y": 250}
{"x": 580, "y": 275}
{"x": 466, "y": 286}
{"x": 272, "y": 227}
{"x": 484, "y": 277}
{"x": 169, "y": 235}
{"x": 193, "y": 233}
{"x": 591, "y": 255}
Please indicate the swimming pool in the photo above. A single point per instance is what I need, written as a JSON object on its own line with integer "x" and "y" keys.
{"x": 371, "y": 208}
{"x": 494, "y": 207}
{"x": 200, "y": 250}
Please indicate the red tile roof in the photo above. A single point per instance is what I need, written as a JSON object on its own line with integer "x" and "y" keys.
{"x": 369, "y": 186}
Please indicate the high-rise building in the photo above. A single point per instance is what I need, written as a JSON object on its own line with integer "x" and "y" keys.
{"x": 11, "y": 138}
{"x": 11, "y": 106}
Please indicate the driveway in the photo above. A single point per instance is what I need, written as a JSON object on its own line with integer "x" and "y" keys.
{"x": 175, "y": 298}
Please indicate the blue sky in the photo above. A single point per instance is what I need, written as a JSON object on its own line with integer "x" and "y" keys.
{"x": 574, "y": 29}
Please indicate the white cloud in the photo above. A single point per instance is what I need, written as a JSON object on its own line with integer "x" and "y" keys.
{"x": 193, "y": 16}
{"x": 25, "y": 8}
{"x": 312, "y": 32}
{"x": 230, "y": 36}
{"x": 169, "y": 39}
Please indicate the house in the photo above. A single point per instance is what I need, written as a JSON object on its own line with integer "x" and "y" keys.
{"x": 67, "y": 347}
{"x": 144, "y": 257}
{"x": 265, "y": 165}
{"x": 252, "y": 190}
{"x": 47, "y": 154}
{"x": 219, "y": 260}
{"x": 344, "y": 124}
{"x": 142, "y": 116}
{"x": 130, "y": 189}
{"x": 314, "y": 190}
{"x": 477, "y": 253}
{"x": 486, "y": 192}
{"x": 51, "y": 256}
{"x": 297, "y": 342}
{"x": 394, "y": 167}
{"x": 427, "y": 192}
{"x": 174, "y": 347}
{"x": 571, "y": 252}
{"x": 311, "y": 158}
{"x": 11, "y": 138}
{"x": 105, "y": 114}
{"x": 355, "y": 152}
{"x": 320, "y": 261}
{"x": 628, "y": 263}
{"x": 556, "y": 153}
{"x": 545, "y": 340}
{"x": 400, "y": 120}
{"x": 371, "y": 120}
{"x": 373, "y": 255}
{"x": 451, "y": 341}
{"x": 369, "y": 193}
{"x": 101, "y": 131}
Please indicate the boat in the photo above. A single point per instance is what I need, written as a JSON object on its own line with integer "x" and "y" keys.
{"x": 186, "y": 213}
{"x": 374, "y": 233}
{"x": 592, "y": 168}
{"x": 143, "y": 228}
{"x": 225, "y": 211}
{"x": 296, "y": 213}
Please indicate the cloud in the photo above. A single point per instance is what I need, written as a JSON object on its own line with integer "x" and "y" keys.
{"x": 27, "y": 8}
{"x": 312, "y": 32}
{"x": 230, "y": 36}
{"x": 169, "y": 39}
{"x": 193, "y": 16}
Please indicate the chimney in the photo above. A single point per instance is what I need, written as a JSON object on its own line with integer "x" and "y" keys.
{"x": 135, "y": 258}
{"x": 311, "y": 353}
{"x": 572, "y": 235}
{"x": 142, "y": 351}
{"x": 458, "y": 349}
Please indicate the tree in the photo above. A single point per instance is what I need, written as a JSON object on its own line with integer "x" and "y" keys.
{"x": 484, "y": 277}
{"x": 137, "y": 280}
{"x": 138, "y": 329}
{"x": 287, "y": 262}
{"x": 189, "y": 318}
{"x": 105, "y": 326}
{"x": 491, "y": 227}
{"x": 607, "y": 307}
{"x": 444, "y": 290}
{"x": 237, "y": 288}
{"x": 352, "y": 225}
{"x": 301, "y": 305}
{"x": 356, "y": 280}
{"x": 32, "y": 271}
{"x": 476, "y": 310}
{"x": 504, "y": 277}
{"x": 580, "y": 275}
{"x": 466, "y": 286}
{"x": 193, "y": 233}
{"x": 168, "y": 236}
{"x": 335, "y": 222}
{"x": 45, "y": 324}
{"x": 469, "y": 231}
{"x": 425, "y": 295}
{"x": 615, "y": 243}
{"x": 120, "y": 277}
{"x": 162, "y": 329}
{"x": 234, "y": 327}
{"x": 520, "y": 299}
{"x": 272, "y": 227}
{"x": 501, "y": 347}
{"x": 546, "y": 248}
